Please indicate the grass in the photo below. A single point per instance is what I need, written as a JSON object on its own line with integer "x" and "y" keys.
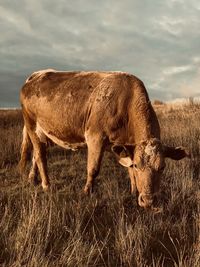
{"x": 66, "y": 228}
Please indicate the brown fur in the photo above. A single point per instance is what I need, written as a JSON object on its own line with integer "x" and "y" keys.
{"x": 92, "y": 108}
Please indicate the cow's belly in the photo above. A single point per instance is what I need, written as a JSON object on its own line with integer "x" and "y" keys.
{"x": 43, "y": 134}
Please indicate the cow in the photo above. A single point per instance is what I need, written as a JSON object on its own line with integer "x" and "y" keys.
{"x": 98, "y": 110}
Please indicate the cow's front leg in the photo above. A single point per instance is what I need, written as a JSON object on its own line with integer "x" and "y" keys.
{"x": 132, "y": 179}
{"x": 95, "y": 145}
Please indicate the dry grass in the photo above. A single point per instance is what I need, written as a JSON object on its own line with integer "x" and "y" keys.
{"x": 65, "y": 228}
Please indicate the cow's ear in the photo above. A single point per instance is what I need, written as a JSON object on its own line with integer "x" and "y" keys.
{"x": 175, "y": 153}
{"x": 123, "y": 154}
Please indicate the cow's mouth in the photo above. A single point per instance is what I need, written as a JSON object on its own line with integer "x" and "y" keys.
{"x": 149, "y": 201}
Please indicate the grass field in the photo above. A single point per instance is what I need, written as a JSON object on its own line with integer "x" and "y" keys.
{"x": 66, "y": 228}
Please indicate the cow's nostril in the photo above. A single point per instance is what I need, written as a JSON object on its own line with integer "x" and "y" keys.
{"x": 141, "y": 199}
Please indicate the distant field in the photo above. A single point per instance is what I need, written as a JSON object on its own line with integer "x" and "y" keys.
{"x": 66, "y": 228}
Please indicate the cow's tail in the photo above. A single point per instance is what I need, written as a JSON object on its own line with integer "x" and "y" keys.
{"x": 25, "y": 148}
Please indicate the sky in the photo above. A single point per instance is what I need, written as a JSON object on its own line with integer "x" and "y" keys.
{"x": 158, "y": 41}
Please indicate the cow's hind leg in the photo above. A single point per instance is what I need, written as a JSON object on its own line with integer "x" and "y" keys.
{"x": 39, "y": 153}
{"x": 24, "y": 150}
{"x": 95, "y": 145}
{"x": 33, "y": 174}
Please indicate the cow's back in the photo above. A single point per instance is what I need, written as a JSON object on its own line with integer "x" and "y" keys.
{"x": 66, "y": 104}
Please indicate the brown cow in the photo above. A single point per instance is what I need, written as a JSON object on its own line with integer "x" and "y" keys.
{"x": 96, "y": 109}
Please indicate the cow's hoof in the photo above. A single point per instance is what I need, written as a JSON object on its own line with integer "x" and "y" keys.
{"x": 46, "y": 187}
{"x": 88, "y": 189}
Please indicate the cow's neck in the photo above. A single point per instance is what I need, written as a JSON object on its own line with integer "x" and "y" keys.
{"x": 145, "y": 124}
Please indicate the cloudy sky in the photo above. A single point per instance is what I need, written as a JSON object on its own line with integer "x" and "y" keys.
{"x": 158, "y": 41}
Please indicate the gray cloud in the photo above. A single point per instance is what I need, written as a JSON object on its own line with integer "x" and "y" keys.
{"x": 159, "y": 42}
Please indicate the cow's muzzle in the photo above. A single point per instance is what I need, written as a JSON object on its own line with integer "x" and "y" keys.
{"x": 146, "y": 200}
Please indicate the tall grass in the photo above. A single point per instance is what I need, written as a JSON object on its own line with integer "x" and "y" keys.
{"x": 65, "y": 228}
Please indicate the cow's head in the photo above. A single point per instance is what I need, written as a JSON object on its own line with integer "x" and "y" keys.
{"x": 147, "y": 163}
